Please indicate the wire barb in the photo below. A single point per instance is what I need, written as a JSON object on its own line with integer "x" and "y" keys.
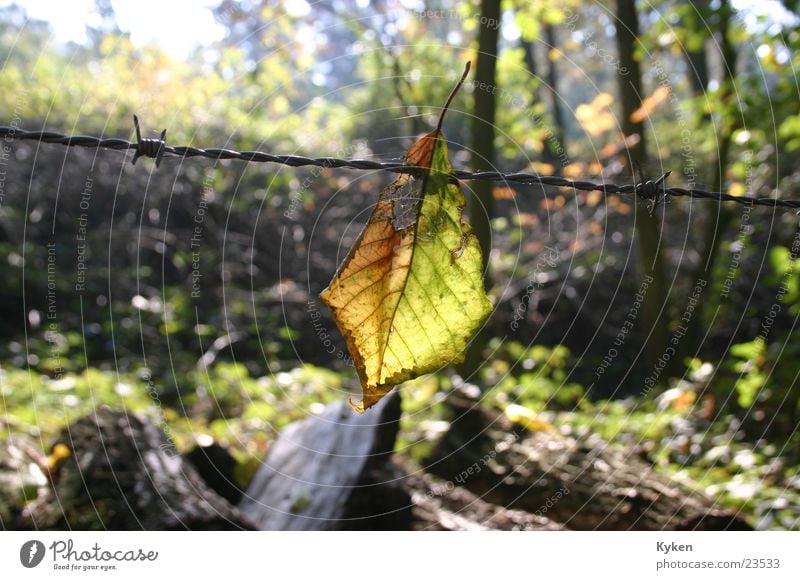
{"x": 158, "y": 149}
{"x": 652, "y": 190}
{"x": 153, "y": 148}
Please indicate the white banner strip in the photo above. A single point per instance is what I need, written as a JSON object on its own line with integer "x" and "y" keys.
{"x": 399, "y": 555}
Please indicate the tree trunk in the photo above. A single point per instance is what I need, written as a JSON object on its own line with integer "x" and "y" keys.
{"x": 654, "y": 310}
{"x": 719, "y": 215}
{"x": 553, "y": 146}
{"x": 698, "y": 71}
{"x": 529, "y": 56}
{"x": 555, "y": 102}
{"x": 483, "y": 156}
{"x": 483, "y": 125}
{"x": 696, "y": 59}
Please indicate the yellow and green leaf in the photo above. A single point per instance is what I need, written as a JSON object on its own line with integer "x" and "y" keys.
{"x": 409, "y": 296}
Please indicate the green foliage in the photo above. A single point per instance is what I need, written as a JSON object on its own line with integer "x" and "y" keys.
{"x": 785, "y": 278}
{"x": 534, "y": 376}
{"x": 40, "y": 406}
{"x": 223, "y": 403}
{"x": 766, "y": 391}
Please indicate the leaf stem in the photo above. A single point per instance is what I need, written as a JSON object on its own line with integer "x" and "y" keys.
{"x": 453, "y": 94}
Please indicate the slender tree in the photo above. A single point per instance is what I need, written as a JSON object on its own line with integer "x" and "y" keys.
{"x": 483, "y": 152}
{"x": 654, "y": 310}
{"x": 552, "y": 80}
{"x": 529, "y": 56}
{"x": 483, "y": 124}
{"x": 718, "y": 217}
{"x": 695, "y": 25}
{"x": 550, "y": 149}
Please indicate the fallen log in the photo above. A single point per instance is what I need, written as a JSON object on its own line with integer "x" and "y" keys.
{"x": 582, "y": 486}
{"x": 438, "y": 505}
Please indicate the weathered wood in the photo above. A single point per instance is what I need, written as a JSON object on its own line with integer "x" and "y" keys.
{"x": 217, "y": 467}
{"x": 439, "y": 505}
{"x": 317, "y": 474}
{"x": 334, "y": 471}
{"x": 20, "y": 479}
{"x": 584, "y": 487}
{"x": 123, "y": 473}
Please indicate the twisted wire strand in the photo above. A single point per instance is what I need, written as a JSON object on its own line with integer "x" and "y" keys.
{"x": 158, "y": 149}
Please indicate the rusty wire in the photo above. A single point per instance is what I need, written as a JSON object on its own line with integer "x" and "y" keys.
{"x": 157, "y": 149}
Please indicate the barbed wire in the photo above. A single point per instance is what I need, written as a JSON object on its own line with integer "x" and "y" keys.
{"x": 158, "y": 149}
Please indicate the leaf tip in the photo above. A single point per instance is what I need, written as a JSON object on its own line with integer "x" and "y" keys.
{"x": 368, "y": 398}
{"x": 359, "y": 406}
